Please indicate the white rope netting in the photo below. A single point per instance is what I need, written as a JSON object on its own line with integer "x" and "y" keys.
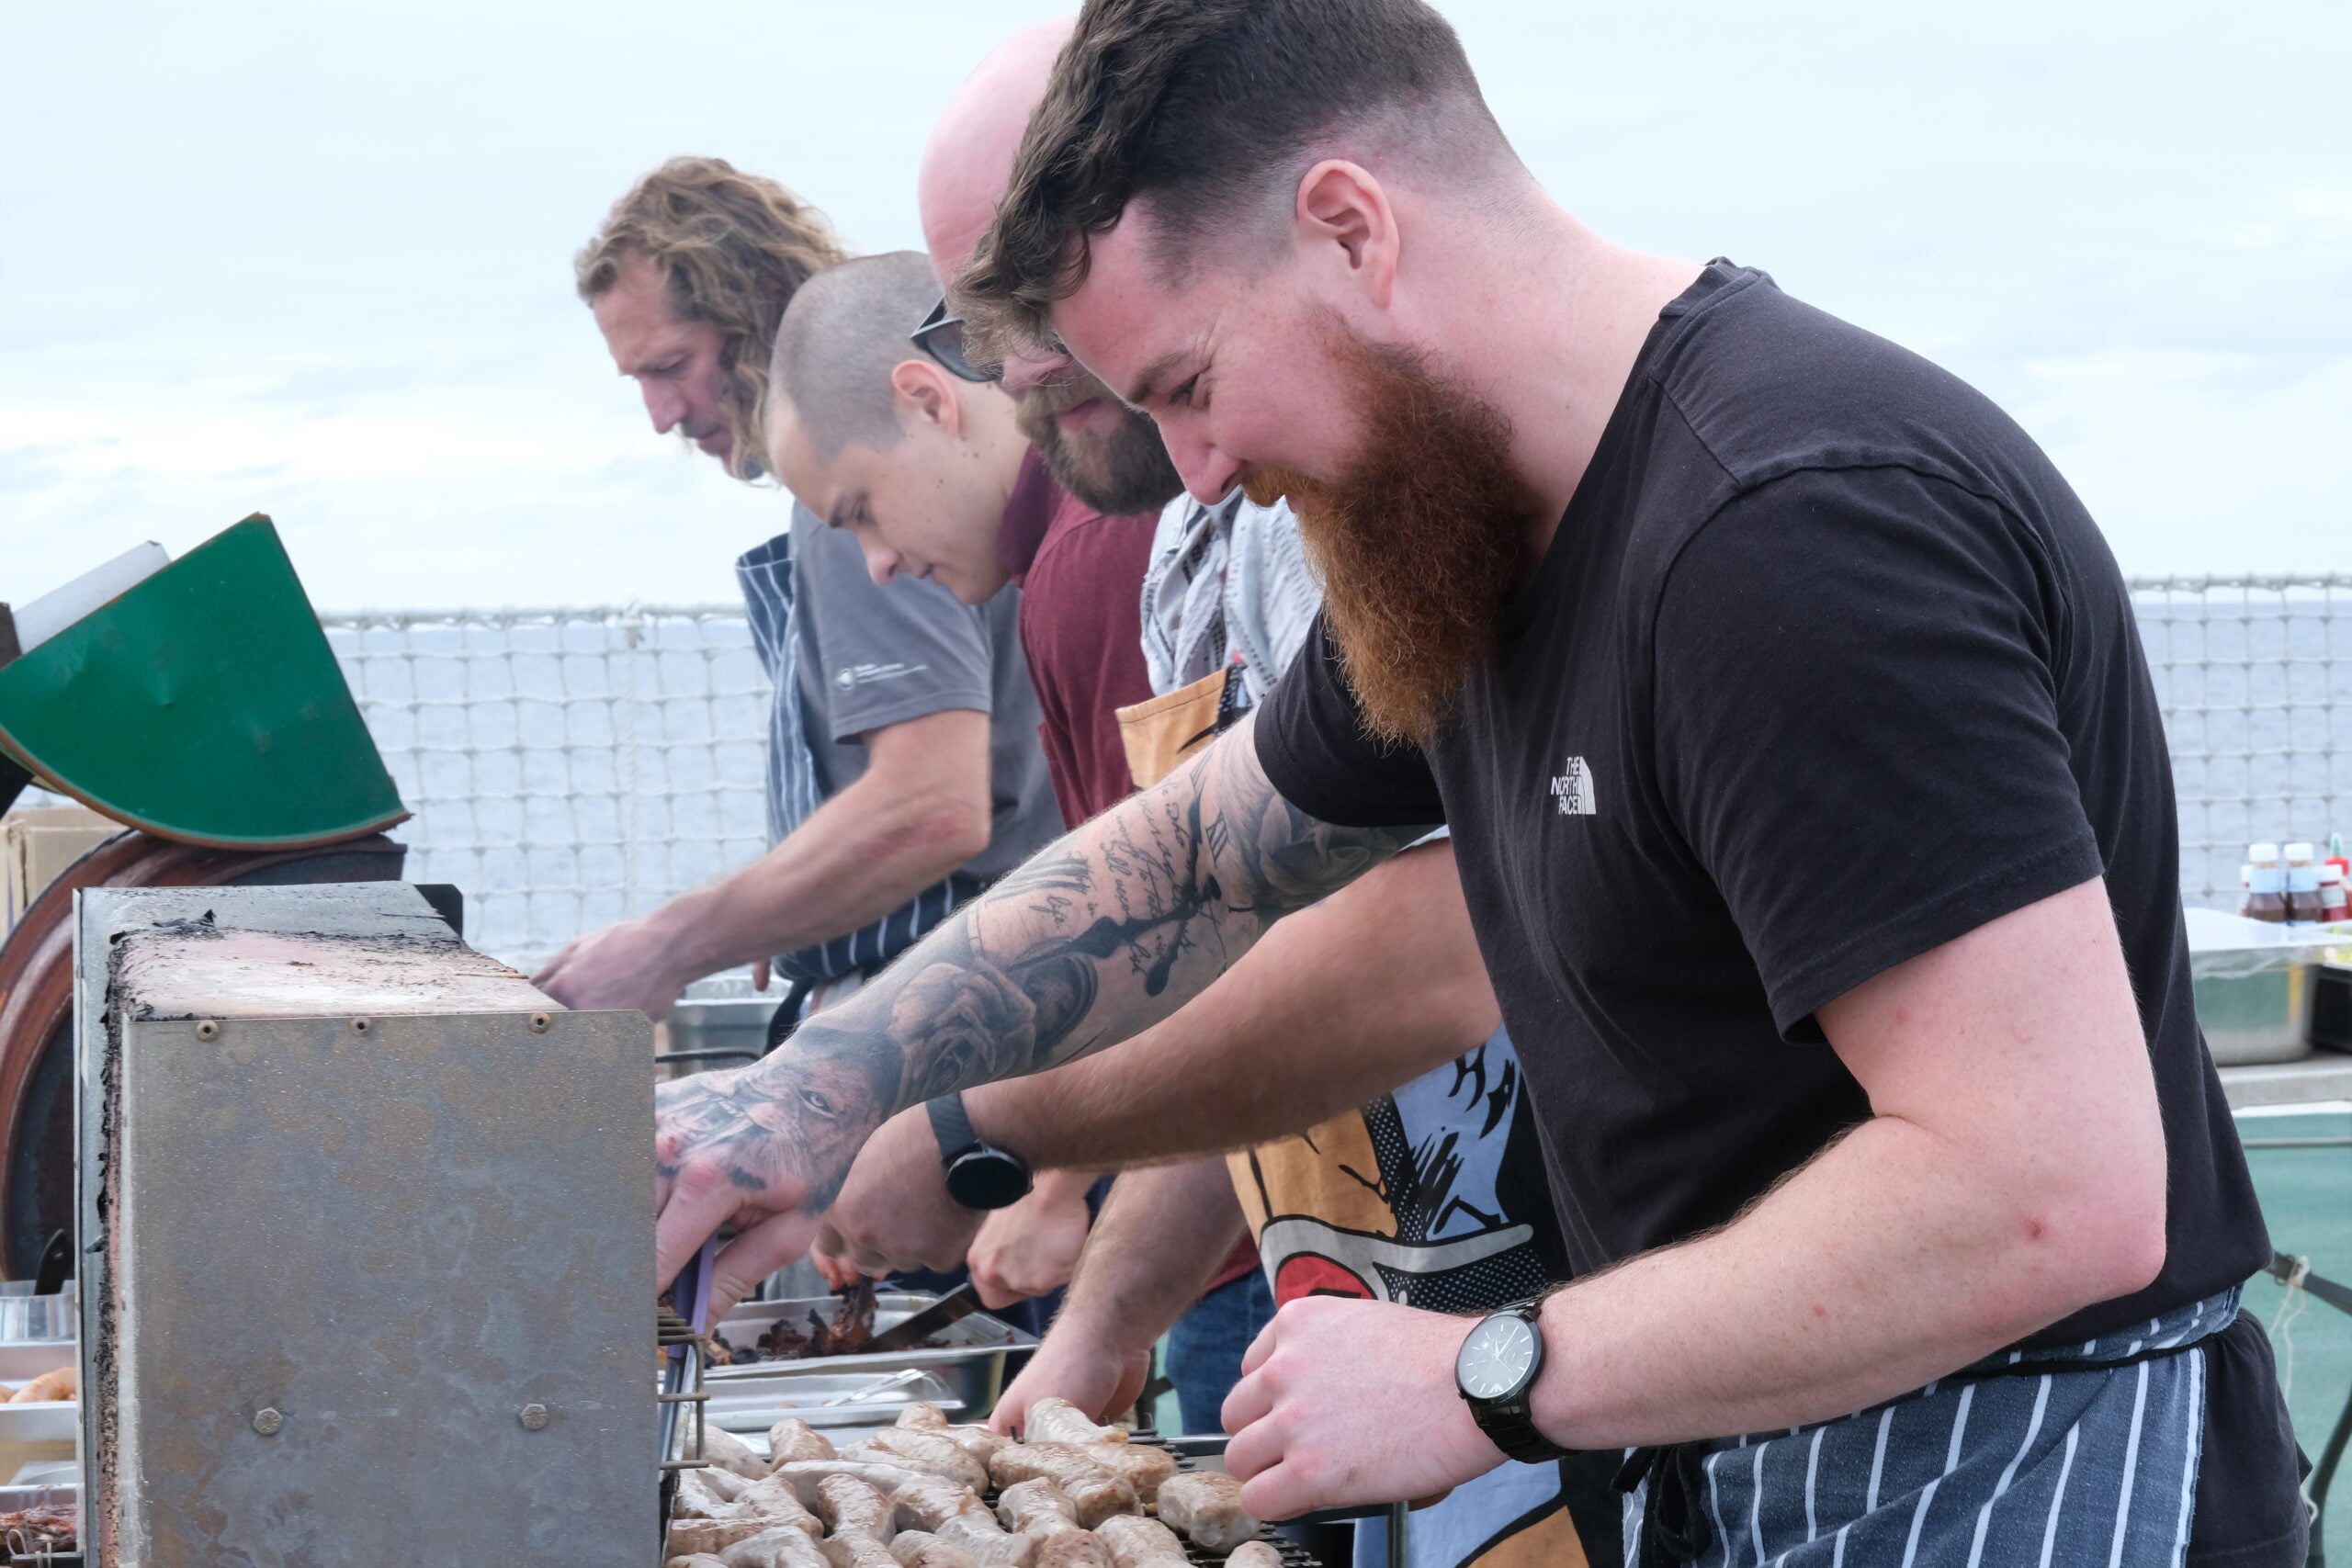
{"x": 568, "y": 768}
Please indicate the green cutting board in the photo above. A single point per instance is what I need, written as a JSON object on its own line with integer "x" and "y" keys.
{"x": 204, "y": 706}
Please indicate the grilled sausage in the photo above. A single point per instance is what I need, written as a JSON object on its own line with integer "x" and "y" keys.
{"x": 1038, "y": 1507}
{"x": 690, "y": 1537}
{"x": 773, "y": 1501}
{"x": 803, "y": 1474}
{"x": 1073, "y": 1548}
{"x": 920, "y": 1548}
{"x": 933, "y": 1451}
{"x": 991, "y": 1546}
{"x": 782, "y": 1546}
{"x": 977, "y": 1441}
{"x": 697, "y": 1560}
{"x": 1093, "y": 1489}
{"x": 1138, "y": 1542}
{"x": 1141, "y": 1466}
{"x": 1051, "y": 1420}
{"x": 849, "y": 1506}
{"x": 707, "y": 1493}
{"x": 927, "y": 1502}
{"x": 793, "y": 1438}
{"x": 1254, "y": 1553}
{"x": 856, "y": 1549}
{"x": 1206, "y": 1505}
{"x": 922, "y": 1416}
{"x": 727, "y": 1452}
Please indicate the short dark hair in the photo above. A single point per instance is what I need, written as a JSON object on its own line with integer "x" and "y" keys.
{"x": 842, "y": 334}
{"x": 1201, "y": 105}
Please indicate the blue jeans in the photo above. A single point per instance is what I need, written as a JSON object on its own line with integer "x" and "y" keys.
{"x": 1205, "y": 1348}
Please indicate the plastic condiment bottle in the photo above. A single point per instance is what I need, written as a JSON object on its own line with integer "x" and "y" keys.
{"x": 2302, "y": 886}
{"x": 2334, "y": 902}
{"x": 2335, "y": 858}
{"x": 2265, "y": 897}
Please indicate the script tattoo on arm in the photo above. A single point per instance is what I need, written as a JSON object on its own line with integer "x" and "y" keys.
{"x": 1098, "y": 936}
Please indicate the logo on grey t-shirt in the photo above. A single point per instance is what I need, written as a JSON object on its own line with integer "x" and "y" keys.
{"x": 851, "y": 676}
{"x": 1572, "y": 790}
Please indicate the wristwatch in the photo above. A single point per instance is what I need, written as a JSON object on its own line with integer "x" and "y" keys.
{"x": 979, "y": 1175}
{"x": 1494, "y": 1369}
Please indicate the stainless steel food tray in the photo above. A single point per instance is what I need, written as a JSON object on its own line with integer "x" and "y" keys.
{"x": 964, "y": 1374}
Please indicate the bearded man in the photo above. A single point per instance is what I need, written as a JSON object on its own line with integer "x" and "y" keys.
{"x": 1811, "y": 803}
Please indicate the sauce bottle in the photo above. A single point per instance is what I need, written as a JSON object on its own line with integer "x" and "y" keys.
{"x": 2266, "y": 888}
{"x": 2302, "y": 886}
{"x": 2334, "y": 903}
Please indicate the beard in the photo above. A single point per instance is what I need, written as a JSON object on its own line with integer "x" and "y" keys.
{"x": 1421, "y": 538}
{"x": 1125, "y": 471}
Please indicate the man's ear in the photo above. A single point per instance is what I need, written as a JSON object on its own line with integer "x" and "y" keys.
{"x": 1345, "y": 222}
{"x": 925, "y": 396}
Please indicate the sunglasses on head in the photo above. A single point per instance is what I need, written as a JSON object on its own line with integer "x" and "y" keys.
{"x": 940, "y": 335}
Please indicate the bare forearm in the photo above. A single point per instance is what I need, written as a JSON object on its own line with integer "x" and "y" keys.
{"x": 1377, "y": 985}
{"x": 860, "y": 855}
{"x": 1156, "y": 1245}
{"x": 1099, "y": 937}
{"x": 1883, "y": 1265}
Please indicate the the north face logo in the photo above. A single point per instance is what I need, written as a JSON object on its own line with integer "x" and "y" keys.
{"x": 1572, "y": 790}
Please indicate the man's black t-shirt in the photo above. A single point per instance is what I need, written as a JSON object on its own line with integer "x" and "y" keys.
{"x": 1826, "y": 667}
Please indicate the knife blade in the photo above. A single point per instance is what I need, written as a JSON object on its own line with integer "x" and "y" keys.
{"x": 953, "y": 1307}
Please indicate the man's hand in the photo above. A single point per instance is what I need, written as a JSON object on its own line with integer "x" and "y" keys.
{"x": 894, "y": 1215}
{"x": 1344, "y": 1401}
{"x": 1102, "y": 1380}
{"x": 623, "y": 966}
{"x": 1031, "y": 1247}
{"x": 759, "y": 1148}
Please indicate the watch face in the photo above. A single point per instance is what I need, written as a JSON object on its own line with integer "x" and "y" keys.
{"x": 988, "y": 1179}
{"x": 1497, "y": 1358}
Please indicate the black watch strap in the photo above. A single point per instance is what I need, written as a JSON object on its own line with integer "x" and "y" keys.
{"x": 951, "y": 1127}
{"x": 1510, "y": 1422}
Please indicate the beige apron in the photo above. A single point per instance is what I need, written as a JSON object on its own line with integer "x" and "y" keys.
{"x": 1166, "y": 730}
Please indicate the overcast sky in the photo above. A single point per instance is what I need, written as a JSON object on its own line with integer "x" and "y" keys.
{"x": 313, "y": 259}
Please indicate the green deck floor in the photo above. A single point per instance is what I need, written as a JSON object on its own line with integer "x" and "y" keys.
{"x": 2307, "y": 1198}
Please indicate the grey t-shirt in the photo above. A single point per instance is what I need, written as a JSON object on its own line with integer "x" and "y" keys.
{"x": 872, "y": 657}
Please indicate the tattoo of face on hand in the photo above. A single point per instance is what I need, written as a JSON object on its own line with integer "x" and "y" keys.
{"x": 787, "y": 1129}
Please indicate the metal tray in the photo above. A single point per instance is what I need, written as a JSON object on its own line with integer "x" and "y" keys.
{"x": 964, "y": 1374}
{"x": 44, "y": 1421}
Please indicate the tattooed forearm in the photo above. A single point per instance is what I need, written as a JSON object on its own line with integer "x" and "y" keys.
{"x": 1095, "y": 939}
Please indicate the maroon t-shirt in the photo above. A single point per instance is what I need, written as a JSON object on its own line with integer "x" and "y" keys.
{"x": 1082, "y": 626}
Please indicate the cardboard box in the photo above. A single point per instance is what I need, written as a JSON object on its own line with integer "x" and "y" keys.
{"x": 37, "y": 845}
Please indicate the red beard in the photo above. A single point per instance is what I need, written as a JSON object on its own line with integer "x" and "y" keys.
{"x": 1421, "y": 538}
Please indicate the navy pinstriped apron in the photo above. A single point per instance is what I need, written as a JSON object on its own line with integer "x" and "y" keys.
{"x": 2081, "y": 1456}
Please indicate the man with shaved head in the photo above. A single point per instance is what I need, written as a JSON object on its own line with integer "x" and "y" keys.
{"x": 1811, "y": 803}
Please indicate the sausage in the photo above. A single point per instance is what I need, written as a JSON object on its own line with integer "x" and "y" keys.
{"x": 58, "y": 1384}
{"x": 990, "y": 1546}
{"x": 803, "y": 1474}
{"x": 793, "y": 1438}
{"x": 927, "y": 1502}
{"x": 690, "y": 1538}
{"x": 696, "y": 1559}
{"x": 1206, "y": 1505}
{"x": 849, "y": 1506}
{"x": 706, "y": 1494}
{"x": 920, "y": 1548}
{"x": 932, "y": 1451}
{"x": 727, "y": 1452}
{"x": 1097, "y": 1492}
{"x": 1073, "y": 1548}
{"x": 1254, "y": 1553}
{"x": 781, "y": 1547}
{"x": 1051, "y": 1420}
{"x": 854, "y": 1548}
{"x": 977, "y": 1441}
{"x": 1141, "y": 1466}
{"x": 773, "y": 1501}
{"x": 1137, "y": 1542}
{"x": 922, "y": 1416}
{"x": 1038, "y": 1507}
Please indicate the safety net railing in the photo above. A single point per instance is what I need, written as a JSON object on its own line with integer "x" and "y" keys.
{"x": 572, "y": 767}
